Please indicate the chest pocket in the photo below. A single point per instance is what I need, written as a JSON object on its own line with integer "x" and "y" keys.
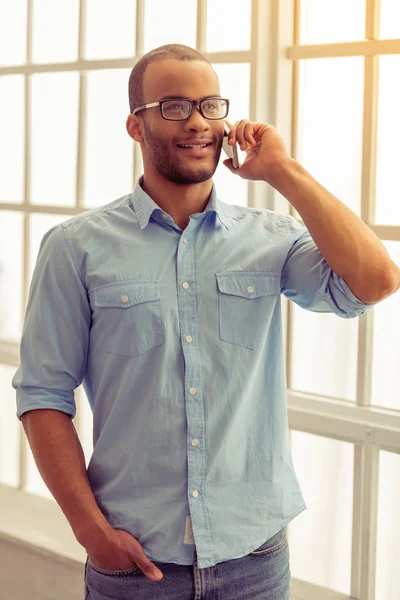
{"x": 132, "y": 317}
{"x": 247, "y": 301}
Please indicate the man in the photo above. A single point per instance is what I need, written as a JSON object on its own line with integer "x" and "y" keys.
{"x": 166, "y": 304}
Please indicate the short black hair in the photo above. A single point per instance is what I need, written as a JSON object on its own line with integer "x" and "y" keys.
{"x": 177, "y": 51}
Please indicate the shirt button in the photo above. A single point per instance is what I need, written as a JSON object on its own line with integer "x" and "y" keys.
{"x": 189, "y": 338}
{"x": 193, "y": 391}
{"x": 125, "y": 298}
{"x": 185, "y": 240}
{"x": 185, "y": 285}
{"x": 195, "y": 442}
{"x": 165, "y": 217}
{"x": 250, "y": 289}
{"x": 195, "y": 493}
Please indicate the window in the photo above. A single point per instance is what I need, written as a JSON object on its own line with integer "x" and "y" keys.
{"x": 345, "y": 127}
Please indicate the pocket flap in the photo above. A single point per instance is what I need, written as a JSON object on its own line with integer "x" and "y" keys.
{"x": 123, "y": 294}
{"x": 249, "y": 284}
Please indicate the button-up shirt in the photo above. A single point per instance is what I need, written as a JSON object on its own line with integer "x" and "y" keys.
{"x": 176, "y": 336}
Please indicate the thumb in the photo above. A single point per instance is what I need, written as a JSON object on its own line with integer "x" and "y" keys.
{"x": 148, "y": 568}
{"x": 228, "y": 163}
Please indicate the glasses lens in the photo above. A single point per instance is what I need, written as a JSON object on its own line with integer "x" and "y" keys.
{"x": 214, "y": 108}
{"x": 175, "y": 110}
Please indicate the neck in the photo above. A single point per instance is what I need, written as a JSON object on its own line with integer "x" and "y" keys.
{"x": 179, "y": 201}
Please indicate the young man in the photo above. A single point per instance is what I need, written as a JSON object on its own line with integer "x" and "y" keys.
{"x": 166, "y": 305}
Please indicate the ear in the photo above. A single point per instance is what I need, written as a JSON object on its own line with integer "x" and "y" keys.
{"x": 133, "y": 127}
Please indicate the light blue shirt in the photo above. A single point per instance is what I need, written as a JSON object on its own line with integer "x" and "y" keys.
{"x": 177, "y": 338}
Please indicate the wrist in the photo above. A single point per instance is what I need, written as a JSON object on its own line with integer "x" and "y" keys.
{"x": 93, "y": 532}
{"x": 279, "y": 170}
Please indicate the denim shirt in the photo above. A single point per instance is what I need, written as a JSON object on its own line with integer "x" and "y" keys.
{"x": 177, "y": 339}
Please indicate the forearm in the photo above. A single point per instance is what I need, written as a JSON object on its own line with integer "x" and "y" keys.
{"x": 59, "y": 457}
{"x": 350, "y": 248}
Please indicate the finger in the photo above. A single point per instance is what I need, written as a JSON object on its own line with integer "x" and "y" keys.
{"x": 229, "y": 165}
{"x": 231, "y": 132}
{"x": 150, "y": 570}
{"x": 248, "y": 132}
{"x": 239, "y": 128}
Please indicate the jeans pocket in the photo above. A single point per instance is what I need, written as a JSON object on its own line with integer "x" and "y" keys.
{"x": 112, "y": 573}
{"x": 127, "y": 316}
{"x": 247, "y": 302}
{"x": 275, "y": 543}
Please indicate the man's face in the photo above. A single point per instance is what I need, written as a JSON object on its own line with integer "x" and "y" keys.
{"x": 193, "y": 80}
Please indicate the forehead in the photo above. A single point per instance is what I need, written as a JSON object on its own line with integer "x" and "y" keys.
{"x": 170, "y": 77}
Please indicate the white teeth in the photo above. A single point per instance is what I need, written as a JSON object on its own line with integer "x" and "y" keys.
{"x": 188, "y": 146}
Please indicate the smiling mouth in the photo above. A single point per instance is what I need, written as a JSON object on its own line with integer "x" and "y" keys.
{"x": 195, "y": 150}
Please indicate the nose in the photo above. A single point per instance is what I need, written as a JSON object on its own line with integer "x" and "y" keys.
{"x": 196, "y": 121}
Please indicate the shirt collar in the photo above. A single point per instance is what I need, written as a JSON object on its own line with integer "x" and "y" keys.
{"x": 144, "y": 205}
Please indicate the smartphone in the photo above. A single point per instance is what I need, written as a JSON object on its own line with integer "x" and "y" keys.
{"x": 230, "y": 151}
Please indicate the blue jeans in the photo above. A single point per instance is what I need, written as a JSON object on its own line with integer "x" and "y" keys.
{"x": 261, "y": 575}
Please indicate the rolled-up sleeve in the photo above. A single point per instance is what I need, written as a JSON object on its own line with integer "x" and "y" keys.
{"x": 310, "y": 282}
{"x": 55, "y": 336}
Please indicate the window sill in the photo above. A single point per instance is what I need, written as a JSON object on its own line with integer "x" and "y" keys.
{"x": 38, "y": 524}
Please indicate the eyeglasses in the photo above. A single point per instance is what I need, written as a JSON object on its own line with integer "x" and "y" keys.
{"x": 179, "y": 110}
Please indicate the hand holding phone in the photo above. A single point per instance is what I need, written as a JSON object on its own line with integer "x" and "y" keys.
{"x": 230, "y": 151}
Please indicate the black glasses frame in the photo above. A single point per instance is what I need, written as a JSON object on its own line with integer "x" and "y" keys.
{"x": 197, "y": 103}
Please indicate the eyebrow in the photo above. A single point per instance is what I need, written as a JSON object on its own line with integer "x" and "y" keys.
{"x": 186, "y": 98}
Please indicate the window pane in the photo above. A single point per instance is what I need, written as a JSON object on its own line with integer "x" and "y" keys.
{"x": 12, "y": 127}
{"x": 13, "y": 20}
{"x": 228, "y": 25}
{"x": 40, "y": 224}
{"x": 324, "y": 354}
{"x": 55, "y": 30}
{"x": 231, "y": 188}
{"x": 388, "y": 543}
{"x": 110, "y": 29}
{"x": 386, "y": 348}
{"x": 172, "y": 22}
{"x": 108, "y": 170}
{"x": 388, "y": 172}
{"x": 324, "y": 21}
{"x": 330, "y": 124}
{"x": 320, "y": 538}
{"x": 10, "y": 429}
{"x": 390, "y": 20}
{"x": 11, "y": 249}
{"x": 54, "y": 138}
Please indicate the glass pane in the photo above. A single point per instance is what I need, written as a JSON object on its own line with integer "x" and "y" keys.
{"x": 55, "y": 30}
{"x": 12, "y": 127}
{"x": 324, "y": 354}
{"x": 228, "y": 25}
{"x": 388, "y": 172}
{"x": 172, "y": 22}
{"x": 11, "y": 252}
{"x": 325, "y": 22}
{"x": 232, "y": 188}
{"x": 390, "y": 20}
{"x": 331, "y": 97}
{"x": 388, "y": 543}
{"x": 10, "y": 429}
{"x": 54, "y": 138}
{"x": 13, "y": 20}
{"x": 110, "y": 29}
{"x": 386, "y": 346}
{"x": 320, "y": 538}
{"x": 40, "y": 224}
{"x": 108, "y": 170}
{"x": 85, "y": 420}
